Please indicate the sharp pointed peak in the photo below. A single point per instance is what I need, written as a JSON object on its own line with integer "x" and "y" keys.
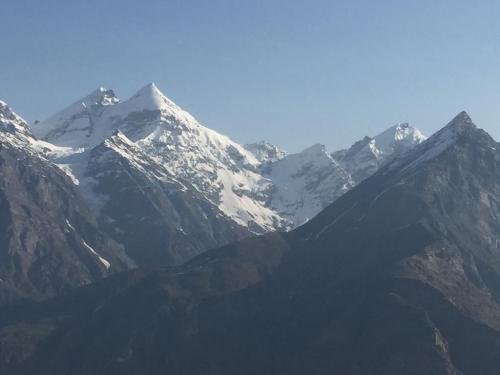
{"x": 462, "y": 127}
{"x": 7, "y": 113}
{"x": 150, "y": 90}
{"x": 461, "y": 122}
{"x": 150, "y": 97}
{"x": 11, "y": 121}
{"x": 4, "y": 108}
{"x": 152, "y": 86}
{"x": 459, "y": 128}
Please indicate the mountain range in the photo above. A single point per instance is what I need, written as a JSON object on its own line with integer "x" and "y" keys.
{"x": 148, "y": 169}
{"x": 116, "y": 174}
{"x": 399, "y": 275}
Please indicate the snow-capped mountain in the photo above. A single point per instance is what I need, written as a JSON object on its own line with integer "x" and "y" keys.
{"x": 78, "y": 125}
{"x": 49, "y": 239}
{"x": 150, "y": 169}
{"x": 265, "y": 152}
{"x": 305, "y": 183}
{"x": 366, "y": 156}
{"x": 15, "y": 131}
{"x": 159, "y": 216}
{"x": 220, "y": 169}
{"x": 11, "y": 122}
{"x": 148, "y": 176}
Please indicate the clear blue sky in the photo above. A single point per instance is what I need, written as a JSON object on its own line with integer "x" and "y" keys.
{"x": 292, "y": 72}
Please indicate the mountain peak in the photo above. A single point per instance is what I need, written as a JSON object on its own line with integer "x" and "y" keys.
{"x": 396, "y": 135}
{"x": 101, "y": 95}
{"x": 11, "y": 121}
{"x": 460, "y": 123}
{"x": 150, "y": 98}
{"x": 149, "y": 89}
{"x": 7, "y": 112}
{"x": 265, "y": 152}
{"x": 53, "y": 126}
{"x": 5, "y": 109}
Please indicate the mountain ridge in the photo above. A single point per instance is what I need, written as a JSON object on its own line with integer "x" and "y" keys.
{"x": 256, "y": 188}
{"x": 404, "y": 254}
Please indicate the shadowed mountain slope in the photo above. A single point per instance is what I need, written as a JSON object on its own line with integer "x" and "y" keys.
{"x": 49, "y": 240}
{"x": 401, "y": 275}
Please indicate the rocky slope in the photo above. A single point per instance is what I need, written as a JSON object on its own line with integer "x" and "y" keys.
{"x": 145, "y": 203}
{"x": 49, "y": 240}
{"x": 401, "y": 275}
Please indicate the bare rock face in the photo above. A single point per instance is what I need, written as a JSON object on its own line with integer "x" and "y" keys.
{"x": 401, "y": 275}
{"x": 49, "y": 241}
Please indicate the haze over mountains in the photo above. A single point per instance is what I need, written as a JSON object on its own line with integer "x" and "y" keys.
{"x": 399, "y": 275}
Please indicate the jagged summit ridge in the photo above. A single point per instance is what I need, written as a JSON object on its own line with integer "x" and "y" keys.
{"x": 265, "y": 152}
{"x": 366, "y": 156}
{"x": 90, "y": 120}
{"x": 80, "y": 112}
{"x": 11, "y": 121}
{"x": 402, "y": 133}
{"x": 180, "y": 167}
{"x": 460, "y": 127}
